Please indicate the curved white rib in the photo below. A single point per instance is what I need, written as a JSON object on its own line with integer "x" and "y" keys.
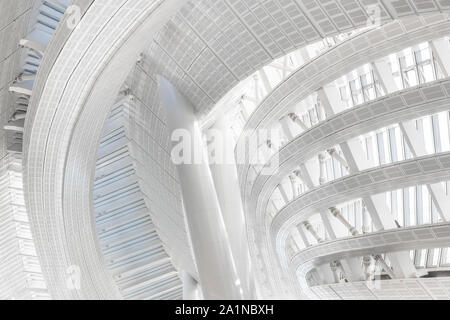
{"x": 401, "y": 106}
{"x": 422, "y": 170}
{"x": 397, "y": 107}
{"x": 130, "y": 242}
{"x": 403, "y": 239}
{"x": 61, "y": 140}
{"x": 79, "y": 77}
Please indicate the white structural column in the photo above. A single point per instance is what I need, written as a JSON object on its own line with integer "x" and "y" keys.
{"x": 203, "y": 214}
{"x": 376, "y": 205}
{"x": 224, "y": 174}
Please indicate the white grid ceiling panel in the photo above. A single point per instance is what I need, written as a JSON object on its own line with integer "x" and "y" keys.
{"x": 355, "y": 11}
{"x": 271, "y": 17}
{"x": 284, "y": 21}
{"x": 211, "y": 74}
{"x": 238, "y": 34}
{"x": 259, "y": 30}
{"x": 356, "y": 291}
{"x": 402, "y": 7}
{"x": 424, "y": 5}
{"x": 246, "y": 35}
{"x": 438, "y": 288}
{"x": 180, "y": 40}
{"x": 318, "y": 17}
{"x": 157, "y": 61}
{"x": 400, "y": 290}
{"x": 325, "y": 293}
{"x": 307, "y": 31}
{"x": 336, "y": 14}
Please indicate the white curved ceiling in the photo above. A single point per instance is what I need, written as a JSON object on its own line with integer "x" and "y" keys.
{"x": 205, "y": 50}
{"x": 212, "y": 45}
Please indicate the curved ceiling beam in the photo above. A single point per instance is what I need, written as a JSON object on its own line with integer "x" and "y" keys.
{"x": 77, "y": 84}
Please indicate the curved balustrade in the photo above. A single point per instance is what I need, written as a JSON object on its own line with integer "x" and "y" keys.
{"x": 422, "y": 170}
{"x": 403, "y": 239}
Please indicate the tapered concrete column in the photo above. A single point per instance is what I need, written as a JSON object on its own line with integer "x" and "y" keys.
{"x": 207, "y": 230}
{"x": 224, "y": 173}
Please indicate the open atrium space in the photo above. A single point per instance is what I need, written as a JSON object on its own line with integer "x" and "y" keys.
{"x": 224, "y": 150}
